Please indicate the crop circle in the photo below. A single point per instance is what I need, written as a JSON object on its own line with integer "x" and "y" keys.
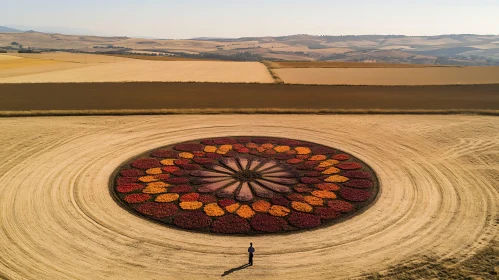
{"x": 245, "y": 185}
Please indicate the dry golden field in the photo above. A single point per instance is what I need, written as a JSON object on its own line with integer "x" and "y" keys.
{"x": 390, "y": 76}
{"x": 329, "y": 64}
{"x": 89, "y": 68}
{"x": 438, "y": 200}
{"x": 97, "y": 68}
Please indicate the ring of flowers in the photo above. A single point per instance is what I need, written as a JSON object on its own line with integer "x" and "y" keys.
{"x": 245, "y": 185}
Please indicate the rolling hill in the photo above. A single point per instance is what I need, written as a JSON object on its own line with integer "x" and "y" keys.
{"x": 464, "y": 49}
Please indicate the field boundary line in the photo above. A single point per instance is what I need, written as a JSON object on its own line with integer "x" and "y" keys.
{"x": 242, "y": 111}
{"x": 275, "y": 76}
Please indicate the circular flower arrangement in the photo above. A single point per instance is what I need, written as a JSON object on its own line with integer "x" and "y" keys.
{"x": 245, "y": 185}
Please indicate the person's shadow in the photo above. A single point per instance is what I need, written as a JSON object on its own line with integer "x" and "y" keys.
{"x": 235, "y": 269}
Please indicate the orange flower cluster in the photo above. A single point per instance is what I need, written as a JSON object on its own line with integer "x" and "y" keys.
{"x": 279, "y": 211}
{"x": 245, "y": 212}
{"x": 213, "y": 210}
{"x": 261, "y": 206}
{"x": 168, "y": 197}
{"x": 301, "y": 206}
{"x": 191, "y": 205}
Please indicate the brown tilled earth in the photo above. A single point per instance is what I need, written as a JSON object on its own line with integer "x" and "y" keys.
{"x": 436, "y": 216}
{"x": 119, "y": 96}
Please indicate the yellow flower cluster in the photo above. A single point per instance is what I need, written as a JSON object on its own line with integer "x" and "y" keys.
{"x": 261, "y": 206}
{"x": 155, "y": 188}
{"x": 324, "y": 194}
{"x": 154, "y": 171}
{"x": 232, "y": 208}
{"x": 168, "y": 161}
{"x": 210, "y": 149}
{"x": 315, "y": 201}
{"x": 331, "y": 170}
{"x": 329, "y": 162}
{"x": 303, "y": 150}
{"x": 279, "y": 211}
{"x": 186, "y": 155}
{"x": 148, "y": 179}
{"x": 282, "y": 149}
{"x": 318, "y": 157}
{"x": 213, "y": 210}
{"x": 224, "y": 149}
{"x": 267, "y": 146}
{"x": 191, "y": 205}
{"x": 168, "y": 197}
{"x": 245, "y": 212}
{"x": 336, "y": 179}
{"x": 302, "y": 207}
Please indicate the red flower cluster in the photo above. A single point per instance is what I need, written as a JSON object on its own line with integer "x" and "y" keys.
{"x": 146, "y": 163}
{"x": 137, "y": 198}
{"x": 327, "y": 213}
{"x": 226, "y": 202}
{"x": 268, "y": 223}
{"x": 189, "y": 147}
{"x": 126, "y": 180}
{"x": 128, "y": 188}
{"x": 349, "y": 165}
{"x": 164, "y": 154}
{"x": 192, "y": 220}
{"x": 303, "y": 220}
{"x": 340, "y": 206}
{"x": 230, "y": 224}
{"x": 157, "y": 210}
{"x": 357, "y": 174}
{"x": 359, "y": 184}
{"x": 132, "y": 173}
{"x": 181, "y": 189}
{"x": 355, "y": 195}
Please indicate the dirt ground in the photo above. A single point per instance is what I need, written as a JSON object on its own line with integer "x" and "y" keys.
{"x": 108, "y": 96}
{"x": 438, "y": 198}
{"x": 390, "y": 76}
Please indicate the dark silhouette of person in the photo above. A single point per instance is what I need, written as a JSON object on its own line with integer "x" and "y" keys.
{"x": 251, "y": 250}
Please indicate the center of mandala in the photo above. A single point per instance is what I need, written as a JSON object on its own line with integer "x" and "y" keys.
{"x": 247, "y": 176}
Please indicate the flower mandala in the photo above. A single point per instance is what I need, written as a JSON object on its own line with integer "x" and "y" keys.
{"x": 245, "y": 185}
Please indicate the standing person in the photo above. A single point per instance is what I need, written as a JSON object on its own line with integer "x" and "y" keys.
{"x": 251, "y": 250}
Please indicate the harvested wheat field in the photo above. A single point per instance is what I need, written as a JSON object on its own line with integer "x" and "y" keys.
{"x": 390, "y": 76}
{"x": 438, "y": 199}
{"x": 72, "y": 68}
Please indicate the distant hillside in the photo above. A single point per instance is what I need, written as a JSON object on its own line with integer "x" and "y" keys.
{"x": 457, "y": 49}
{"x": 4, "y": 29}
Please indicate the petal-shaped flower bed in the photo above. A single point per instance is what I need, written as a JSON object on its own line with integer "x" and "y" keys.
{"x": 245, "y": 185}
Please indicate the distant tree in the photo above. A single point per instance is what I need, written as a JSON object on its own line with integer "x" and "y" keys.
{"x": 14, "y": 44}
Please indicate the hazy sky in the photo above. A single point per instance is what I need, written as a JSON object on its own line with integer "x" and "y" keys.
{"x": 224, "y": 18}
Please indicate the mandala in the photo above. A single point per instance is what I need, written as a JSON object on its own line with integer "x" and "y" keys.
{"x": 245, "y": 185}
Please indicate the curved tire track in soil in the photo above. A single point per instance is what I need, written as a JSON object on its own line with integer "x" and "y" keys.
{"x": 58, "y": 219}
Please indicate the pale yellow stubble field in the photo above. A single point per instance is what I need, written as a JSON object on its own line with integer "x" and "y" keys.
{"x": 98, "y": 68}
{"x": 390, "y": 76}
